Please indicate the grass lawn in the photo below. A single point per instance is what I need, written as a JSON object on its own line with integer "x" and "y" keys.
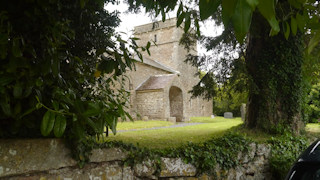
{"x": 127, "y": 125}
{"x": 174, "y": 137}
{"x": 313, "y": 129}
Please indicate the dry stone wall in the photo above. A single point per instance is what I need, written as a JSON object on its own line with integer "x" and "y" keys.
{"x": 50, "y": 159}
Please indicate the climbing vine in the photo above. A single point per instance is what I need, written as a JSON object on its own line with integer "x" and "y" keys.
{"x": 205, "y": 156}
{"x": 285, "y": 151}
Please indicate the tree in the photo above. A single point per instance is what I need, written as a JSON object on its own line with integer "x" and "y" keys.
{"x": 59, "y": 62}
{"x": 271, "y": 34}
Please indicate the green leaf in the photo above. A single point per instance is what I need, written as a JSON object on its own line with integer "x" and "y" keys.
{"x": 112, "y": 123}
{"x": 17, "y": 90}
{"x": 266, "y": 8}
{"x": 92, "y": 125}
{"x": 108, "y": 65}
{"x": 148, "y": 45}
{"x": 27, "y": 91}
{"x": 60, "y": 125}
{"x": 93, "y": 109}
{"x": 180, "y": 19}
{"x": 286, "y": 30}
{"x": 228, "y": 8}
{"x": 55, "y": 105}
{"x": 17, "y": 109}
{"x": 16, "y": 51}
{"x": 180, "y": 9}
{"x": 5, "y": 106}
{"x": 100, "y": 124}
{"x": 242, "y": 19}
{"x": 187, "y": 22}
{"x": 196, "y": 23}
{"x": 294, "y": 26}
{"x": 300, "y": 22}
{"x": 47, "y": 123}
{"x": 28, "y": 112}
{"x": 55, "y": 67}
{"x": 163, "y": 15}
{"x": 274, "y": 25}
{"x": 38, "y": 106}
{"x": 208, "y": 7}
{"x": 82, "y": 3}
{"x": 253, "y": 3}
{"x": 295, "y": 4}
{"x": 314, "y": 41}
{"x": 5, "y": 80}
{"x": 3, "y": 51}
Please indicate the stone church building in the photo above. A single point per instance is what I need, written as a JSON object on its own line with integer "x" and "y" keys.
{"x": 159, "y": 86}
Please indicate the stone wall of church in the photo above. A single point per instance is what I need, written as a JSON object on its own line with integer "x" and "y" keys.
{"x": 163, "y": 50}
{"x": 142, "y": 73}
{"x": 150, "y": 103}
{"x": 169, "y": 52}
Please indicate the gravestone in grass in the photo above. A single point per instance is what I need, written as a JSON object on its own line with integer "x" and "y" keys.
{"x": 243, "y": 111}
{"x": 228, "y": 115}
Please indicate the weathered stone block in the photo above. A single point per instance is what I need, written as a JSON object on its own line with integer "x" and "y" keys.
{"x": 172, "y": 119}
{"x": 263, "y": 149}
{"x": 228, "y": 115}
{"x": 248, "y": 157}
{"x": 145, "y": 118}
{"x": 243, "y": 111}
{"x": 145, "y": 169}
{"x": 127, "y": 173}
{"x": 36, "y": 155}
{"x": 171, "y": 167}
{"x": 107, "y": 154}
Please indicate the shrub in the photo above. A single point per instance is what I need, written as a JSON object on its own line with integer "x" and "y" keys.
{"x": 284, "y": 152}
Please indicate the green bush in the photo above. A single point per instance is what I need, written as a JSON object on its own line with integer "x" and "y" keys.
{"x": 228, "y": 100}
{"x": 284, "y": 152}
{"x": 205, "y": 156}
{"x": 60, "y": 64}
{"x": 313, "y": 107}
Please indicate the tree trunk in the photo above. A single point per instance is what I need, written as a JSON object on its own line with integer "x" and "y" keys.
{"x": 274, "y": 66}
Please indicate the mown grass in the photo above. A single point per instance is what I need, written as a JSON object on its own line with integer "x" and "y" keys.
{"x": 127, "y": 125}
{"x": 174, "y": 137}
{"x": 313, "y": 129}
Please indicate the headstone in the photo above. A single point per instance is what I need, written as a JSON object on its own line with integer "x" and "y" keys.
{"x": 172, "y": 119}
{"x": 212, "y": 116}
{"x": 228, "y": 115}
{"x": 145, "y": 118}
{"x": 243, "y": 112}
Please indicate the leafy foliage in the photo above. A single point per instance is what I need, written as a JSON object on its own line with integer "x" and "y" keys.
{"x": 62, "y": 69}
{"x": 229, "y": 100}
{"x": 314, "y": 103}
{"x": 223, "y": 151}
{"x": 284, "y": 152}
{"x": 253, "y": 22}
{"x": 239, "y": 13}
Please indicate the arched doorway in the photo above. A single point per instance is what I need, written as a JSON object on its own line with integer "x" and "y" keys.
{"x": 176, "y": 103}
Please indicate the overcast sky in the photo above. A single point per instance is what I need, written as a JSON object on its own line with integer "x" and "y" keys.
{"x": 129, "y": 20}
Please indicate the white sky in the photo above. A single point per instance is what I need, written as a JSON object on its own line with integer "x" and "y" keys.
{"x": 129, "y": 20}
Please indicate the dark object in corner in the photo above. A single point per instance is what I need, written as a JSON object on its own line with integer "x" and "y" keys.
{"x": 307, "y": 166}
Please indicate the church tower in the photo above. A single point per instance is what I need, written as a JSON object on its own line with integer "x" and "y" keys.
{"x": 161, "y": 84}
{"x": 165, "y": 48}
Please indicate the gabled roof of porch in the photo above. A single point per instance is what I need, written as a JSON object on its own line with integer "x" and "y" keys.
{"x": 156, "y": 82}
